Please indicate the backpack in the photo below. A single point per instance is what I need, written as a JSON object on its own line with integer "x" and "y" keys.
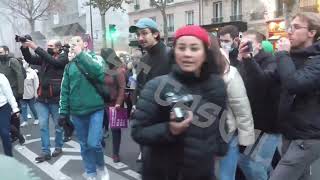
{"x": 101, "y": 89}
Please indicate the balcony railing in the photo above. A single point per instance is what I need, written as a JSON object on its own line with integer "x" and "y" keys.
{"x": 217, "y": 20}
{"x": 257, "y": 16}
{"x": 236, "y": 18}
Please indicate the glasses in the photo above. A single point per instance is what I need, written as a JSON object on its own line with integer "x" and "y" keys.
{"x": 293, "y": 28}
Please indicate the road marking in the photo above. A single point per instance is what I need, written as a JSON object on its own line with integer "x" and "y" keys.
{"x": 54, "y": 170}
{"x": 132, "y": 174}
{"x": 44, "y": 166}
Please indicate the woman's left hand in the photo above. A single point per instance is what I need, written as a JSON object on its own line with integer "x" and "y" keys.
{"x": 117, "y": 106}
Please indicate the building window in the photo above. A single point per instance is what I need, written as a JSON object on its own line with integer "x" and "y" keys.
{"x": 217, "y": 12}
{"x": 136, "y": 4}
{"x": 154, "y": 18}
{"x": 169, "y": 1}
{"x": 170, "y": 21}
{"x": 236, "y": 7}
{"x": 189, "y": 18}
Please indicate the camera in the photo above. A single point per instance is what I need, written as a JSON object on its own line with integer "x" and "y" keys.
{"x": 175, "y": 99}
{"x": 23, "y": 39}
{"x": 65, "y": 48}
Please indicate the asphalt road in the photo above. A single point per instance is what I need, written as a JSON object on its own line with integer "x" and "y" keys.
{"x": 69, "y": 165}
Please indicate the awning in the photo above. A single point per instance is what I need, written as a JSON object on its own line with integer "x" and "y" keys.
{"x": 243, "y": 26}
{"x": 69, "y": 30}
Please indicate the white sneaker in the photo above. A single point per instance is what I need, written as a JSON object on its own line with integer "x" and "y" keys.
{"x": 29, "y": 116}
{"x": 91, "y": 178}
{"x": 36, "y": 122}
{"x": 103, "y": 174}
{"x": 24, "y": 124}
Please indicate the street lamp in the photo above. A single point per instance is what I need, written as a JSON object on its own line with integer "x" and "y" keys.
{"x": 91, "y": 25}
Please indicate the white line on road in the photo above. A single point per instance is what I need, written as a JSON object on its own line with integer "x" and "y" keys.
{"x": 44, "y": 166}
{"x": 133, "y": 174}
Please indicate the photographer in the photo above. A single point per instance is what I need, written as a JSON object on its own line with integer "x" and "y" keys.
{"x": 52, "y": 64}
{"x": 258, "y": 70}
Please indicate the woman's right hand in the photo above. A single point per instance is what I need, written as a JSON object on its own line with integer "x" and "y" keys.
{"x": 177, "y": 128}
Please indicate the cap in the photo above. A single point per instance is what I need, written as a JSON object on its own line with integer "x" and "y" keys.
{"x": 143, "y": 23}
{"x": 195, "y": 31}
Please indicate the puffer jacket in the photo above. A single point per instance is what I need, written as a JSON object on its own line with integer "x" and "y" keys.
{"x": 239, "y": 116}
{"x": 191, "y": 154}
{"x": 299, "y": 110}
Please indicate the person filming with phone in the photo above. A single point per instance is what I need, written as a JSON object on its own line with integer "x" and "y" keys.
{"x": 258, "y": 70}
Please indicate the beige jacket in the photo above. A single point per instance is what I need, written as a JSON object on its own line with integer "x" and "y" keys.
{"x": 239, "y": 115}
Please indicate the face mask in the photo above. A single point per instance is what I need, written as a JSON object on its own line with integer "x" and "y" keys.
{"x": 227, "y": 46}
{"x": 50, "y": 51}
{"x": 3, "y": 57}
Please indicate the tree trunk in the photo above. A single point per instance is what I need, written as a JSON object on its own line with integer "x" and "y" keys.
{"x": 290, "y": 8}
{"x": 104, "y": 29}
{"x": 32, "y": 25}
{"x": 165, "y": 26}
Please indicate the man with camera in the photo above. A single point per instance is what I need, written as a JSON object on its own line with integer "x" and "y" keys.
{"x": 298, "y": 60}
{"x": 52, "y": 64}
{"x": 258, "y": 70}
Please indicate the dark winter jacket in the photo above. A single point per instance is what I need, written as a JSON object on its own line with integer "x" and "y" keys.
{"x": 300, "y": 98}
{"x": 50, "y": 75}
{"x": 233, "y": 57}
{"x": 190, "y": 154}
{"x": 13, "y": 70}
{"x": 153, "y": 64}
{"x": 263, "y": 90}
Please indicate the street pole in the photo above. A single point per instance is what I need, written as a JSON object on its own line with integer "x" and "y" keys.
{"x": 112, "y": 43}
{"x": 91, "y": 26}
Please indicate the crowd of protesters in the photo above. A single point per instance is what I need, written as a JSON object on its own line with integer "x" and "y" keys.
{"x": 209, "y": 107}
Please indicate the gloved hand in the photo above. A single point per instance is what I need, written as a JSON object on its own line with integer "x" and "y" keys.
{"x": 62, "y": 120}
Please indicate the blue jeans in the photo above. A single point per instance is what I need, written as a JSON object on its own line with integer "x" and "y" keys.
{"x": 44, "y": 110}
{"x": 228, "y": 164}
{"x": 89, "y": 133}
{"x": 257, "y": 166}
{"x": 5, "y": 116}
{"x": 24, "y": 108}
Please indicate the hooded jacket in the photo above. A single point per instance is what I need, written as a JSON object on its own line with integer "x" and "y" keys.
{"x": 299, "y": 110}
{"x": 188, "y": 155}
{"x": 263, "y": 89}
{"x": 12, "y": 69}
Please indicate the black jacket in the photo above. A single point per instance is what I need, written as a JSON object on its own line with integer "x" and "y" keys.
{"x": 158, "y": 64}
{"x": 300, "y": 98}
{"x": 263, "y": 89}
{"x": 233, "y": 57}
{"x": 191, "y": 154}
{"x": 50, "y": 74}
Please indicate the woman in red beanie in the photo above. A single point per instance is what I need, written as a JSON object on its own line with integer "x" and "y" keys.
{"x": 182, "y": 147}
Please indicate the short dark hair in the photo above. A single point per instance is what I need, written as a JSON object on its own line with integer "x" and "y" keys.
{"x": 155, "y": 31}
{"x": 229, "y": 29}
{"x": 5, "y": 48}
{"x": 259, "y": 36}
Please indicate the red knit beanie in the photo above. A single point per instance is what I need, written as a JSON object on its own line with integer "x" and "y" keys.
{"x": 195, "y": 31}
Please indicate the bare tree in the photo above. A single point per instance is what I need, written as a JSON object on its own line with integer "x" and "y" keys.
{"x": 162, "y": 5}
{"x": 290, "y": 8}
{"x": 104, "y": 6}
{"x": 32, "y": 10}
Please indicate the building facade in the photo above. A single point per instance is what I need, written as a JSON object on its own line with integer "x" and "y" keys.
{"x": 211, "y": 14}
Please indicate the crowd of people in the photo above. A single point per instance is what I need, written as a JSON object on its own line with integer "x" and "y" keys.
{"x": 209, "y": 107}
